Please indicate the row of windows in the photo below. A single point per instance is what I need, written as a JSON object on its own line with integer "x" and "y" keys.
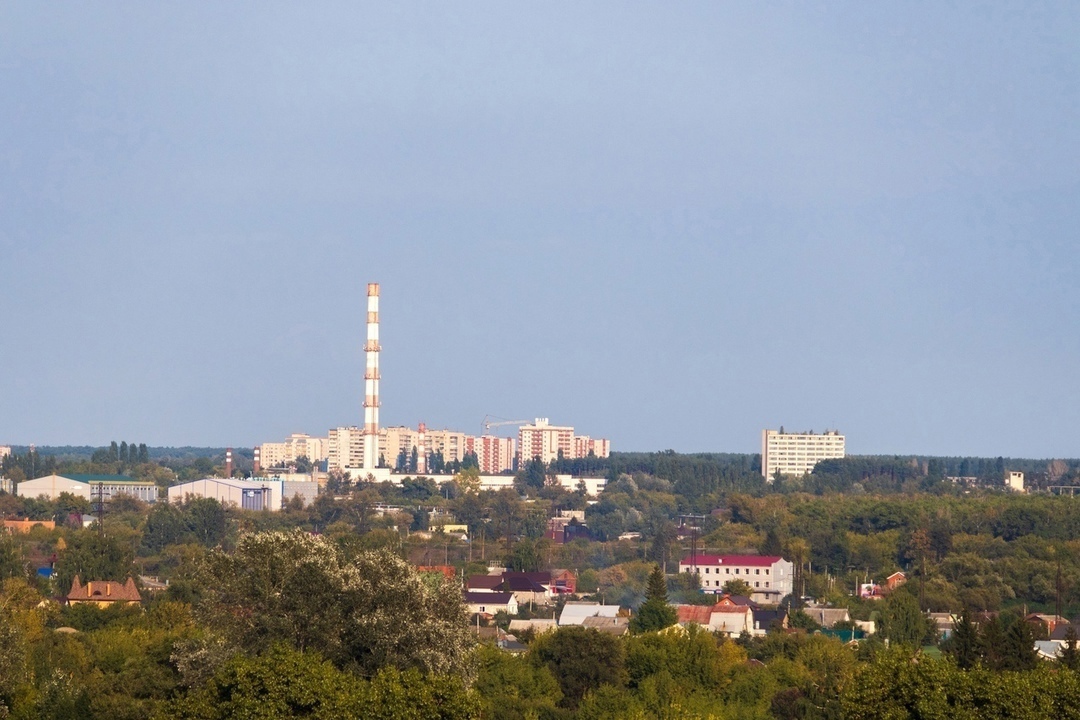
{"x": 717, "y": 583}
{"x": 727, "y": 571}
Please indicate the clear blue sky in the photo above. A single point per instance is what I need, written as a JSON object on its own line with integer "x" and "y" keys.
{"x": 671, "y": 225}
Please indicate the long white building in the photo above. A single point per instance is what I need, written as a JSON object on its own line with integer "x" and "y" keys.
{"x": 797, "y": 453}
{"x": 296, "y": 445}
{"x": 770, "y": 576}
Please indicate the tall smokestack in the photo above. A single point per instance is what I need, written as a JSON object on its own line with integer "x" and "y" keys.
{"x": 228, "y": 463}
{"x": 256, "y": 463}
{"x": 421, "y": 451}
{"x": 371, "y": 379}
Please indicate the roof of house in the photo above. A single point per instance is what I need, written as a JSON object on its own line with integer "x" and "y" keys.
{"x": 574, "y": 613}
{"x": 488, "y": 598}
{"x": 612, "y": 625}
{"x": 743, "y": 560}
{"x": 104, "y": 591}
{"x": 827, "y": 617}
{"x": 104, "y": 479}
{"x": 537, "y": 624}
{"x": 699, "y": 614}
{"x": 484, "y": 582}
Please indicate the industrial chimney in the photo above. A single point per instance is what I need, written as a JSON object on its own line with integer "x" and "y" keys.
{"x": 371, "y": 380}
{"x": 256, "y": 464}
{"x": 421, "y": 451}
{"x": 228, "y": 463}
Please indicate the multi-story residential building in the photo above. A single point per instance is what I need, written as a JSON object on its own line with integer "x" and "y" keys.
{"x": 797, "y": 453}
{"x": 545, "y": 441}
{"x": 296, "y": 445}
{"x": 770, "y": 576}
{"x": 5, "y": 450}
{"x": 494, "y": 454}
{"x": 583, "y": 445}
{"x": 548, "y": 442}
{"x": 345, "y": 448}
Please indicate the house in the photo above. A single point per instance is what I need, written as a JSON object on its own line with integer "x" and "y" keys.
{"x": 610, "y": 625}
{"x": 770, "y": 576}
{"x": 536, "y": 625}
{"x": 489, "y": 603}
{"x": 103, "y": 593}
{"x": 943, "y": 624}
{"x": 526, "y": 586}
{"x": 24, "y": 526}
{"x": 827, "y": 617}
{"x": 894, "y": 581}
{"x": 563, "y": 582}
{"x": 726, "y": 616}
{"x": 1046, "y": 624}
{"x": 574, "y": 613}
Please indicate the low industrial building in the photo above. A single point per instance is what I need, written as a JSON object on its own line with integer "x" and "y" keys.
{"x": 91, "y": 487}
{"x": 255, "y": 494}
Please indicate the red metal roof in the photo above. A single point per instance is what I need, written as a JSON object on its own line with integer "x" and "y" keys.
{"x": 743, "y": 560}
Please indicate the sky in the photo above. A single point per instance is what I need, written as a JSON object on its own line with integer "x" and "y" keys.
{"x": 667, "y": 224}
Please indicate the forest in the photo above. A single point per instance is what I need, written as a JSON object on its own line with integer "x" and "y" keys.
{"x": 319, "y": 611}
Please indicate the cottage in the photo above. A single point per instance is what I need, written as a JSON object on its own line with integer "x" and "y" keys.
{"x": 489, "y": 603}
{"x": 103, "y": 593}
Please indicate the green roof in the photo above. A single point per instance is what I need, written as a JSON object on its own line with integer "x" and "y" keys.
{"x": 102, "y": 478}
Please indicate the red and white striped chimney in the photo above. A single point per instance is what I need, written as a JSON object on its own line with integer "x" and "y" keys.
{"x": 228, "y": 463}
{"x": 371, "y": 380}
{"x": 256, "y": 463}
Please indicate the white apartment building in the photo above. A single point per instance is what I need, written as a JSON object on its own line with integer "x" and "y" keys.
{"x": 345, "y": 448}
{"x": 797, "y": 453}
{"x": 770, "y": 576}
{"x": 546, "y": 441}
{"x": 296, "y": 445}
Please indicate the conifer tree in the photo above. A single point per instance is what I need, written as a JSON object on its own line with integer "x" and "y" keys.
{"x": 655, "y": 613}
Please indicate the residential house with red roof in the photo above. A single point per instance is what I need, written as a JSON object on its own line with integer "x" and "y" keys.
{"x": 103, "y": 593}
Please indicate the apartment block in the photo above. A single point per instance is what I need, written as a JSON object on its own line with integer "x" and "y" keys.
{"x": 494, "y": 454}
{"x": 345, "y": 448}
{"x": 797, "y": 453}
{"x": 296, "y": 445}
{"x": 547, "y": 442}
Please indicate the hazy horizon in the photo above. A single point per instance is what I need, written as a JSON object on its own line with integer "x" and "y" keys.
{"x": 669, "y": 226}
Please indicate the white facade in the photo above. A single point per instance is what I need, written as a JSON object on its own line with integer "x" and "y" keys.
{"x": 245, "y": 494}
{"x": 345, "y": 448}
{"x": 88, "y": 486}
{"x": 1015, "y": 481}
{"x": 296, "y": 445}
{"x": 797, "y": 453}
{"x": 547, "y": 442}
{"x": 770, "y": 576}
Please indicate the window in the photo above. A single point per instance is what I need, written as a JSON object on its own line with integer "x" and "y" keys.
{"x": 766, "y": 583}
{"x": 766, "y": 571}
{"x": 727, "y": 571}
{"x": 757, "y": 572}
{"x": 706, "y": 571}
{"x": 736, "y": 571}
{"x": 757, "y": 584}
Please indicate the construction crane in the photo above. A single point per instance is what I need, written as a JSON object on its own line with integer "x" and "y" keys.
{"x": 498, "y": 422}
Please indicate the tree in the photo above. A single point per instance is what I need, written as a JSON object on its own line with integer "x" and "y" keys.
{"x": 286, "y": 683}
{"x": 94, "y": 556}
{"x": 304, "y": 464}
{"x": 738, "y": 586}
{"x": 1019, "y": 652}
{"x": 964, "y": 643}
{"x": 655, "y": 613}
{"x": 901, "y": 620}
{"x": 366, "y": 611}
{"x": 581, "y": 659}
{"x": 525, "y": 557}
{"x": 1070, "y": 657}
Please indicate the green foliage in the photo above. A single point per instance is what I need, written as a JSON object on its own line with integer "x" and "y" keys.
{"x": 367, "y": 611}
{"x": 902, "y": 622}
{"x": 513, "y": 687}
{"x": 655, "y": 613}
{"x": 581, "y": 659}
{"x": 93, "y": 556}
